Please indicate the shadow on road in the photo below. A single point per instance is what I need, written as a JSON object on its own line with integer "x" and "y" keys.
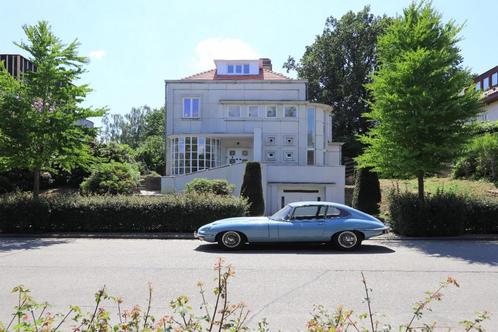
{"x": 313, "y": 249}
{"x": 484, "y": 252}
{"x": 11, "y": 244}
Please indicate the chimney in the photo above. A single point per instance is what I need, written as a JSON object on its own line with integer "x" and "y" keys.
{"x": 266, "y": 63}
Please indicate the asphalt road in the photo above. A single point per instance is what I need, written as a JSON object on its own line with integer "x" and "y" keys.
{"x": 281, "y": 283}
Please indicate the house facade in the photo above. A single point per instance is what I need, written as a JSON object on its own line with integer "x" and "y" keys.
{"x": 487, "y": 82}
{"x": 243, "y": 111}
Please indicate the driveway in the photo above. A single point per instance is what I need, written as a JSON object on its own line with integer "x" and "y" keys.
{"x": 281, "y": 283}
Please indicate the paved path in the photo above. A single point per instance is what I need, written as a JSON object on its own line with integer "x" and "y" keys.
{"x": 278, "y": 282}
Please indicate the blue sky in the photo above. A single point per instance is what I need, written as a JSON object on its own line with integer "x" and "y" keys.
{"x": 135, "y": 45}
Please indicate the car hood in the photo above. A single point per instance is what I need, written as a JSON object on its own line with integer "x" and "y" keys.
{"x": 238, "y": 220}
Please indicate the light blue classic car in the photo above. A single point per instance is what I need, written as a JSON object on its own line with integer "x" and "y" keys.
{"x": 339, "y": 224}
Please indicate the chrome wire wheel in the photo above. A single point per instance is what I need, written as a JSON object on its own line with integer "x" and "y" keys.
{"x": 347, "y": 239}
{"x": 231, "y": 240}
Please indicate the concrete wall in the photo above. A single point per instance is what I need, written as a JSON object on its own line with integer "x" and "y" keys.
{"x": 491, "y": 112}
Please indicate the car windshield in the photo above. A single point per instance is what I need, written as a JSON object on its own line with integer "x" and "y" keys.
{"x": 282, "y": 214}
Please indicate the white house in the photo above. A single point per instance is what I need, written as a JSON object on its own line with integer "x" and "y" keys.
{"x": 488, "y": 83}
{"x": 243, "y": 111}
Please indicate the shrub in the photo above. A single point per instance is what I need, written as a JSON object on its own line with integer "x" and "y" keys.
{"x": 442, "y": 214}
{"x": 73, "y": 213}
{"x": 112, "y": 178}
{"x": 5, "y": 185}
{"x": 252, "y": 189}
{"x": 366, "y": 195}
{"x": 204, "y": 186}
{"x": 150, "y": 154}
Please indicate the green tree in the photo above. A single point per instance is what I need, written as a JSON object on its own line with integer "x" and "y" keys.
{"x": 366, "y": 194}
{"x": 151, "y": 154}
{"x": 337, "y": 65}
{"x": 40, "y": 112}
{"x": 423, "y": 97}
{"x": 252, "y": 189}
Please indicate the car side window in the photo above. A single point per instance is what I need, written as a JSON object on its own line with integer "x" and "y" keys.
{"x": 305, "y": 212}
{"x": 333, "y": 212}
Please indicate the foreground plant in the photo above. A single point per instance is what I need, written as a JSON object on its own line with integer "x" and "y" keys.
{"x": 217, "y": 315}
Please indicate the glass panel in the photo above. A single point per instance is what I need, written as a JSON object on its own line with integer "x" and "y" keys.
{"x": 290, "y": 111}
{"x": 195, "y": 107}
{"x": 230, "y": 69}
{"x": 238, "y": 69}
{"x": 494, "y": 79}
{"x": 234, "y": 111}
{"x": 478, "y": 86}
{"x": 311, "y": 157}
{"x": 186, "y": 108}
{"x": 253, "y": 111}
{"x": 271, "y": 112}
{"x": 333, "y": 212}
{"x": 485, "y": 83}
{"x": 305, "y": 212}
{"x": 246, "y": 69}
{"x": 311, "y": 135}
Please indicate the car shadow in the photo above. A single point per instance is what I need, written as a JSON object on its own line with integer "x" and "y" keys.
{"x": 15, "y": 243}
{"x": 479, "y": 251}
{"x": 293, "y": 248}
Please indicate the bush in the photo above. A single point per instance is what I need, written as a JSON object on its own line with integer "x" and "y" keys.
{"x": 150, "y": 154}
{"x": 366, "y": 195}
{"x": 252, "y": 189}
{"x": 112, "y": 178}
{"x": 204, "y": 186}
{"x": 19, "y": 213}
{"x": 5, "y": 185}
{"x": 442, "y": 214}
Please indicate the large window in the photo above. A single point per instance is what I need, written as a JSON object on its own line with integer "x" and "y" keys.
{"x": 191, "y": 154}
{"x": 310, "y": 113}
{"x": 494, "y": 79}
{"x": 191, "y": 107}
{"x": 271, "y": 111}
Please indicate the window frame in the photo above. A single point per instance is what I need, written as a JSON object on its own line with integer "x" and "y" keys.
{"x": 494, "y": 79}
{"x": 191, "y": 103}
{"x": 485, "y": 83}
{"x": 317, "y": 207}
{"x": 234, "y": 117}
{"x": 249, "y": 111}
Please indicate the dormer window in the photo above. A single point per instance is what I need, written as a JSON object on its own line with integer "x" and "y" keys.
{"x": 237, "y": 67}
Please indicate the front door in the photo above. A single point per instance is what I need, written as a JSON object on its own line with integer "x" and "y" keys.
{"x": 237, "y": 155}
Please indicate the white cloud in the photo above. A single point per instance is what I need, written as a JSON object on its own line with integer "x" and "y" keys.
{"x": 221, "y": 48}
{"x": 97, "y": 54}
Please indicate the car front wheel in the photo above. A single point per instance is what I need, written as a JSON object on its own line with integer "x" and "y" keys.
{"x": 347, "y": 240}
{"x": 231, "y": 240}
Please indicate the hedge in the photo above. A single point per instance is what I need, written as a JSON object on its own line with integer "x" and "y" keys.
{"x": 74, "y": 213}
{"x": 442, "y": 214}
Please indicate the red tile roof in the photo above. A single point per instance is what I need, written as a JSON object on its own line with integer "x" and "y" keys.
{"x": 264, "y": 74}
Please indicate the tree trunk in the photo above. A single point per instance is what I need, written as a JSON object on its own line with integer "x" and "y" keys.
{"x": 420, "y": 178}
{"x": 36, "y": 183}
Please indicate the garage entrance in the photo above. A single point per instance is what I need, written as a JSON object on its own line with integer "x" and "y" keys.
{"x": 290, "y": 195}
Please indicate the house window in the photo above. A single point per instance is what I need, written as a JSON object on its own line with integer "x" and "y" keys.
{"x": 290, "y": 140}
{"x": 485, "y": 83}
{"x": 230, "y": 69}
{"x": 270, "y": 140}
{"x": 253, "y": 111}
{"x": 290, "y": 111}
{"x": 192, "y": 153}
{"x": 271, "y": 155}
{"x": 191, "y": 107}
{"x": 238, "y": 69}
{"x": 271, "y": 111}
{"x": 234, "y": 111}
{"x": 478, "y": 86}
{"x": 494, "y": 79}
{"x": 288, "y": 156}
{"x": 246, "y": 69}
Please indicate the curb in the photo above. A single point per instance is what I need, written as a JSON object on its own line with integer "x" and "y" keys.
{"x": 190, "y": 236}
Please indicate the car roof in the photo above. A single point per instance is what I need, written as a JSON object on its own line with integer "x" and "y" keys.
{"x": 321, "y": 203}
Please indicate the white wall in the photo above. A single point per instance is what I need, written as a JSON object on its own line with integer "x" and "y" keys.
{"x": 491, "y": 111}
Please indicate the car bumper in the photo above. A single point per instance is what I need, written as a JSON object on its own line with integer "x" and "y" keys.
{"x": 205, "y": 236}
{"x": 375, "y": 232}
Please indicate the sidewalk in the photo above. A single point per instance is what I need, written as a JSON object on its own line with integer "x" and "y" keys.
{"x": 189, "y": 236}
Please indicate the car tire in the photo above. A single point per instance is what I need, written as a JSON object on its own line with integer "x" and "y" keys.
{"x": 347, "y": 240}
{"x": 231, "y": 240}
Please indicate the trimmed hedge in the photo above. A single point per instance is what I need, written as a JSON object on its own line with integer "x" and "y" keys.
{"x": 442, "y": 214}
{"x": 74, "y": 213}
{"x": 204, "y": 186}
{"x": 366, "y": 195}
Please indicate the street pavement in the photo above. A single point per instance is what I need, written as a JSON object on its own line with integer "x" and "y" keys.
{"x": 281, "y": 283}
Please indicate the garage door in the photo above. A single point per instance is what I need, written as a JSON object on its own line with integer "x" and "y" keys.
{"x": 298, "y": 195}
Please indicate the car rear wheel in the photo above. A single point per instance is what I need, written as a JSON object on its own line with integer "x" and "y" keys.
{"x": 231, "y": 240}
{"x": 347, "y": 240}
